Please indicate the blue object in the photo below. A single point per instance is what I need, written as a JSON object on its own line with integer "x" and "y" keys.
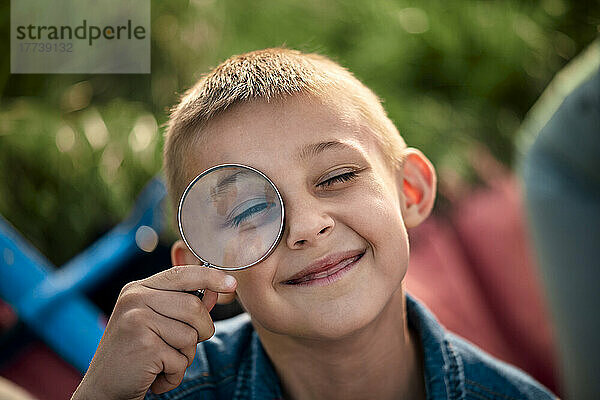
{"x": 51, "y": 301}
{"x": 562, "y": 184}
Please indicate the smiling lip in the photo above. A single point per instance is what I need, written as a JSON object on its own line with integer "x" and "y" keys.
{"x": 325, "y": 267}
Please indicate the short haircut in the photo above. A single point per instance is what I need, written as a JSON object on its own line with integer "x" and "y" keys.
{"x": 269, "y": 74}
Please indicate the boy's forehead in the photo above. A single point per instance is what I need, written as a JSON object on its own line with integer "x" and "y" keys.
{"x": 260, "y": 132}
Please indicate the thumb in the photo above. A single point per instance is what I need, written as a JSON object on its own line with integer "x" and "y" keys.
{"x": 226, "y": 298}
{"x": 210, "y": 299}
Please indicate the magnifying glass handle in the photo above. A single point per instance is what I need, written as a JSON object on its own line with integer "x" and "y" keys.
{"x": 198, "y": 293}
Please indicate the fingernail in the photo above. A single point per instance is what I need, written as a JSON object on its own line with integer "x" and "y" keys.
{"x": 229, "y": 281}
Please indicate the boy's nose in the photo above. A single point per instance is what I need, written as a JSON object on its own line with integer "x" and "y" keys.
{"x": 307, "y": 224}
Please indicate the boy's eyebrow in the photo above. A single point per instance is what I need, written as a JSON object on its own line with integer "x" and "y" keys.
{"x": 225, "y": 183}
{"x": 314, "y": 149}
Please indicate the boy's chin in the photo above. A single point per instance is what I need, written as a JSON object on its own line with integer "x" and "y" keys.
{"x": 352, "y": 321}
{"x": 331, "y": 323}
{"x": 338, "y": 329}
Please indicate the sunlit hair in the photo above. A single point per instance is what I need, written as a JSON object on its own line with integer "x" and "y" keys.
{"x": 270, "y": 74}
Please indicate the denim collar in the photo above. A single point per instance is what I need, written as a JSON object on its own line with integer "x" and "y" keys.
{"x": 443, "y": 367}
{"x": 256, "y": 377}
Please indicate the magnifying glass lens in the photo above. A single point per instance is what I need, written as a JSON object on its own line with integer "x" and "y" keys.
{"x": 231, "y": 216}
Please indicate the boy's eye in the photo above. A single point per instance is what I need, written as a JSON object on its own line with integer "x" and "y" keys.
{"x": 247, "y": 212}
{"x": 344, "y": 177}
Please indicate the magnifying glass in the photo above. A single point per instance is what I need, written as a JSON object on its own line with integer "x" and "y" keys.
{"x": 231, "y": 217}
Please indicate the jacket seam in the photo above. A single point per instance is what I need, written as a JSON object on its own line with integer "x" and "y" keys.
{"x": 457, "y": 377}
{"x": 478, "y": 395}
{"x": 220, "y": 371}
{"x": 188, "y": 390}
{"x": 490, "y": 391}
{"x": 212, "y": 378}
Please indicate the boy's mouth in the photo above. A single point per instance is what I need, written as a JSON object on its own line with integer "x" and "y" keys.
{"x": 326, "y": 268}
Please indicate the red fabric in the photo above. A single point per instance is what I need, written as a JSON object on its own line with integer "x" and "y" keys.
{"x": 474, "y": 270}
{"x": 8, "y": 318}
{"x": 42, "y": 373}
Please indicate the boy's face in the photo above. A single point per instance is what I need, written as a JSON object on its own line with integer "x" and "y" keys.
{"x": 343, "y": 204}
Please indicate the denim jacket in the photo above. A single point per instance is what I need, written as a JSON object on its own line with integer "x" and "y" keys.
{"x": 233, "y": 365}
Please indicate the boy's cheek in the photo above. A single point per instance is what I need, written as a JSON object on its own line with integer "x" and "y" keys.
{"x": 254, "y": 281}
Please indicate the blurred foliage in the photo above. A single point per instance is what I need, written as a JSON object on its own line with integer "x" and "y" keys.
{"x": 76, "y": 149}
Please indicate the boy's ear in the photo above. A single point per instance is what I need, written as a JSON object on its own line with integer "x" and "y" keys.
{"x": 418, "y": 183}
{"x": 181, "y": 255}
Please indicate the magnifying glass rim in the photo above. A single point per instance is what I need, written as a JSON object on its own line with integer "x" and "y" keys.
{"x": 188, "y": 188}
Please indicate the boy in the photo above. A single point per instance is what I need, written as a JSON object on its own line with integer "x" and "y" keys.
{"x": 350, "y": 188}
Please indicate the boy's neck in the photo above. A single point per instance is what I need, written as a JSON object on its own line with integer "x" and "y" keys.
{"x": 382, "y": 361}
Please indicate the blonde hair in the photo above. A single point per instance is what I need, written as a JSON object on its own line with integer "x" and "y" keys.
{"x": 268, "y": 74}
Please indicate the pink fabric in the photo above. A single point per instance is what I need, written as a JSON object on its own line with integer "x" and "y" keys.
{"x": 474, "y": 270}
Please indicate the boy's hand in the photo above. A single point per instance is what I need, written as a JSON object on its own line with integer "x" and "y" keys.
{"x": 152, "y": 334}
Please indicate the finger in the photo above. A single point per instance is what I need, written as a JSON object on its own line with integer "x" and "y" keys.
{"x": 209, "y": 299}
{"x": 189, "y": 353}
{"x": 173, "y": 368}
{"x": 176, "y": 334}
{"x": 190, "y": 278}
{"x": 226, "y": 298}
{"x": 183, "y": 307}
